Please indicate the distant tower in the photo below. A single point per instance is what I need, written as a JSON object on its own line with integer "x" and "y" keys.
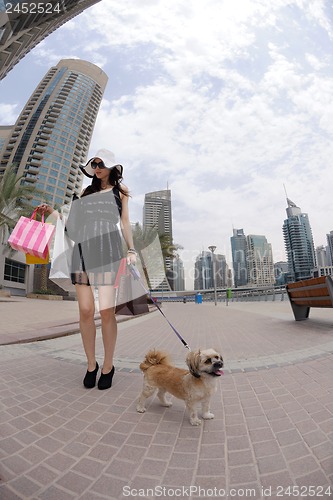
{"x": 299, "y": 244}
{"x": 260, "y": 261}
{"x": 51, "y": 137}
{"x": 24, "y": 24}
{"x": 239, "y": 252}
{"x": 204, "y": 277}
{"x": 203, "y": 271}
{"x": 330, "y": 248}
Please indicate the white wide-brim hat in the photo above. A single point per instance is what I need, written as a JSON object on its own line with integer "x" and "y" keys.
{"x": 108, "y": 160}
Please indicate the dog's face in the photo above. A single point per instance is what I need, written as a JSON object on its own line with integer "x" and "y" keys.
{"x": 208, "y": 361}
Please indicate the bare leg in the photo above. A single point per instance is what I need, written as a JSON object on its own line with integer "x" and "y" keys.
{"x": 109, "y": 325}
{"x": 85, "y": 298}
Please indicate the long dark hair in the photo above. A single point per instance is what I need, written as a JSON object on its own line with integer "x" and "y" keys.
{"x": 115, "y": 178}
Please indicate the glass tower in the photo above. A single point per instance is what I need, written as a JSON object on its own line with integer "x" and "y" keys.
{"x": 299, "y": 244}
{"x": 51, "y": 137}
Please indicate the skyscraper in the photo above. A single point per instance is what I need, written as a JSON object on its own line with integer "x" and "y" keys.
{"x": 299, "y": 244}
{"x": 51, "y": 137}
{"x": 178, "y": 275}
{"x": 157, "y": 213}
{"x": 260, "y": 261}
{"x": 24, "y": 24}
{"x": 239, "y": 252}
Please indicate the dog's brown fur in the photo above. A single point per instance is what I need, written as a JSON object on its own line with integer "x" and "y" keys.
{"x": 195, "y": 385}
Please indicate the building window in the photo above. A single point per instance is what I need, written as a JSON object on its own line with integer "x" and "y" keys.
{"x": 14, "y": 271}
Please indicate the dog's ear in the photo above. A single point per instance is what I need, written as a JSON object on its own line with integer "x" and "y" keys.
{"x": 193, "y": 363}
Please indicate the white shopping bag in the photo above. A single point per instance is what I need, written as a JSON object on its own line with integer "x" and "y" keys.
{"x": 60, "y": 272}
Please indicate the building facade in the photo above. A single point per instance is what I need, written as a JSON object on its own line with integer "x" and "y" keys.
{"x": 22, "y": 27}
{"x": 49, "y": 141}
{"x": 239, "y": 253}
{"x": 299, "y": 244}
{"x": 259, "y": 261}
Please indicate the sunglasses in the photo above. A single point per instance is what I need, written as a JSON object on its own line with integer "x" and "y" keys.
{"x": 95, "y": 165}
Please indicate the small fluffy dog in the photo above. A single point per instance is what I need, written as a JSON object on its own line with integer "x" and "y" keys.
{"x": 195, "y": 385}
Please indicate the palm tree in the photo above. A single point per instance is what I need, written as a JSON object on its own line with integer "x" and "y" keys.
{"x": 15, "y": 200}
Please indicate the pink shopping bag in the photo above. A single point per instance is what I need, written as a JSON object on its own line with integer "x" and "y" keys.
{"x": 31, "y": 236}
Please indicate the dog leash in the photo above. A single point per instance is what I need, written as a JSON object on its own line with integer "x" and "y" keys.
{"x": 136, "y": 275}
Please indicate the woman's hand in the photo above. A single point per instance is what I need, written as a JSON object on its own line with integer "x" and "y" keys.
{"x": 131, "y": 258}
{"x": 44, "y": 209}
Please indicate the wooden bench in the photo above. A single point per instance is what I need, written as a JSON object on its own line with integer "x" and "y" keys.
{"x": 314, "y": 292}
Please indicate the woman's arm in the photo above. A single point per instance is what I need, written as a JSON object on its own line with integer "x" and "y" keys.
{"x": 47, "y": 210}
{"x": 126, "y": 228}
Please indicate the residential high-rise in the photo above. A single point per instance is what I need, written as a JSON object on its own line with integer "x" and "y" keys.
{"x": 157, "y": 213}
{"x": 299, "y": 244}
{"x": 48, "y": 142}
{"x": 51, "y": 137}
{"x": 259, "y": 261}
{"x": 239, "y": 252}
{"x": 24, "y": 24}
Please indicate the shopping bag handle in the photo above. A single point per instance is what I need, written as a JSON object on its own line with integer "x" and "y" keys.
{"x": 34, "y": 213}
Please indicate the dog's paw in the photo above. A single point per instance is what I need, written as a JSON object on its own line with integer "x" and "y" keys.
{"x": 208, "y": 416}
{"x": 140, "y": 409}
{"x": 167, "y": 404}
{"x": 195, "y": 421}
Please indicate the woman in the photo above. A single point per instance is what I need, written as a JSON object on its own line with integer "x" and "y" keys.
{"x": 93, "y": 226}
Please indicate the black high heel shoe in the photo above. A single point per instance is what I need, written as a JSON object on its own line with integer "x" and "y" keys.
{"x": 105, "y": 380}
{"x": 89, "y": 380}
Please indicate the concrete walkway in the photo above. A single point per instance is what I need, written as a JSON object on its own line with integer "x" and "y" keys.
{"x": 273, "y": 428}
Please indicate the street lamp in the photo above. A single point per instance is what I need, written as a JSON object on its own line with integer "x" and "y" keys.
{"x": 212, "y": 248}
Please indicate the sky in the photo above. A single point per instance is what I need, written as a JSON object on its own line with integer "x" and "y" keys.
{"x": 227, "y": 103}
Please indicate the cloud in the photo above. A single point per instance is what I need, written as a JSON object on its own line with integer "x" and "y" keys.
{"x": 8, "y": 113}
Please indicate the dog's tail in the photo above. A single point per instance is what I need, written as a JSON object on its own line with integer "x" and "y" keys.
{"x": 154, "y": 357}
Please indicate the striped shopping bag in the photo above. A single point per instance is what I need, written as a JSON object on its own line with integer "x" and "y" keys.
{"x": 31, "y": 236}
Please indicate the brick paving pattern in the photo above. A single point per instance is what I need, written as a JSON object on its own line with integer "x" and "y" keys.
{"x": 271, "y": 436}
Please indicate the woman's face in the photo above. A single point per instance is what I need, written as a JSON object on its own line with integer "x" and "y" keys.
{"x": 101, "y": 173}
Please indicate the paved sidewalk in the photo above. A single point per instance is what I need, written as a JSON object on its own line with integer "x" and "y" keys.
{"x": 273, "y": 428}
